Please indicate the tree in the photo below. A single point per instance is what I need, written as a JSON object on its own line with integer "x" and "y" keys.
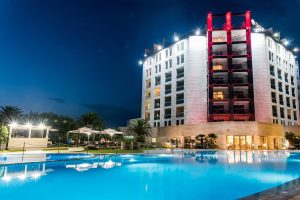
{"x": 293, "y": 139}
{"x": 140, "y": 128}
{"x": 3, "y": 135}
{"x": 207, "y": 141}
{"x": 92, "y": 119}
{"x": 201, "y": 138}
{"x": 9, "y": 114}
{"x": 211, "y": 140}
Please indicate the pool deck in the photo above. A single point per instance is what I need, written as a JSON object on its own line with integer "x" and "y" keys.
{"x": 287, "y": 191}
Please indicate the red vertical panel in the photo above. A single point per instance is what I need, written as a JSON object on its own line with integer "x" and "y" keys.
{"x": 248, "y": 20}
{"x": 228, "y": 21}
{"x": 209, "y": 22}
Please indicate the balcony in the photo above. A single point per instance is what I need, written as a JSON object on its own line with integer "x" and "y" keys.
{"x": 294, "y": 106}
{"x": 240, "y": 80}
{"x": 240, "y": 111}
{"x": 180, "y": 114}
{"x": 280, "y": 89}
{"x": 156, "y": 117}
{"x": 274, "y": 114}
{"x": 272, "y": 73}
{"x": 219, "y": 111}
{"x": 289, "y": 117}
{"x": 180, "y": 75}
{"x": 179, "y": 101}
{"x": 281, "y": 102}
{"x": 274, "y": 100}
{"x": 168, "y": 103}
{"x": 279, "y": 77}
{"x": 219, "y": 81}
{"x": 179, "y": 88}
{"x": 167, "y": 116}
{"x": 288, "y": 104}
{"x": 239, "y": 52}
{"x": 219, "y": 53}
{"x": 168, "y": 79}
{"x": 239, "y": 66}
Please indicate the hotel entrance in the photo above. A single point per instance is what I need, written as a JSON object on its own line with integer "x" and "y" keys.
{"x": 239, "y": 142}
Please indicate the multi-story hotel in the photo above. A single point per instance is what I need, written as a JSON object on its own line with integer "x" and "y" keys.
{"x": 236, "y": 79}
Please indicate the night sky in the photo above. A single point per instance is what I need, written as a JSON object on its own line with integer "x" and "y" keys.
{"x": 70, "y": 57}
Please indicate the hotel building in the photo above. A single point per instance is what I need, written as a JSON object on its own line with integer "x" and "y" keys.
{"x": 236, "y": 79}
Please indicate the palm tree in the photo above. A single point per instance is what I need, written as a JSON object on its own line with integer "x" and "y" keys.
{"x": 3, "y": 135}
{"x": 92, "y": 119}
{"x": 212, "y": 137}
{"x": 140, "y": 128}
{"x": 201, "y": 138}
{"x": 9, "y": 114}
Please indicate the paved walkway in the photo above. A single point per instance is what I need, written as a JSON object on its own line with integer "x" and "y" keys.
{"x": 286, "y": 191}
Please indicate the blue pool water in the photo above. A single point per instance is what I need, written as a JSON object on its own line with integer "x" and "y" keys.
{"x": 20, "y": 158}
{"x": 206, "y": 175}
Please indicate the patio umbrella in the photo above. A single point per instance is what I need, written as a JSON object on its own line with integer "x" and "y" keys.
{"x": 111, "y": 132}
{"x": 84, "y": 130}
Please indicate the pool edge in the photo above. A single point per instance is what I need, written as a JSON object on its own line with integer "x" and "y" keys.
{"x": 289, "y": 190}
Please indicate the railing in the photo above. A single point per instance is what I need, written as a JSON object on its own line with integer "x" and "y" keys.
{"x": 157, "y": 105}
{"x": 168, "y": 79}
{"x": 288, "y": 104}
{"x": 274, "y": 114}
{"x": 167, "y": 116}
{"x": 287, "y": 92}
{"x": 179, "y": 101}
{"x": 180, "y": 75}
{"x": 168, "y": 91}
{"x": 239, "y": 80}
{"x": 279, "y": 76}
{"x": 280, "y": 89}
{"x": 157, "y": 83}
{"x": 239, "y": 66}
{"x": 219, "y": 53}
{"x": 293, "y": 94}
{"x": 220, "y": 111}
{"x": 219, "y": 39}
{"x": 274, "y": 100}
{"x": 273, "y": 86}
{"x": 181, "y": 114}
{"x": 219, "y": 81}
{"x": 156, "y": 117}
{"x": 168, "y": 103}
{"x": 289, "y": 117}
{"x": 294, "y": 105}
{"x": 239, "y": 52}
{"x": 281, "y": 102}
{"x": 179, "y": 88}
{"x": 272, "y": 73}
{"x": 239, "y": 38}
{"x": 240, "y": 111}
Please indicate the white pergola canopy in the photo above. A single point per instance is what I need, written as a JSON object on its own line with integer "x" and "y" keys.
{"x": 110, "y": 131}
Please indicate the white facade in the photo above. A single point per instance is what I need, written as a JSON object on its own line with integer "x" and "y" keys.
{"x": 174, "y": 84}
{"x": 182, "y": 99}
{"x": 275, "y": 81}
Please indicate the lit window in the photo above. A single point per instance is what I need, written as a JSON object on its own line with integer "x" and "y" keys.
{"x": 157, "y": 92}
{"x": 218, "y": 67}
{"x": 218, "y": 95}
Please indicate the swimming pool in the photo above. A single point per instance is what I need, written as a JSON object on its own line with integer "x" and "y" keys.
{"x": 206, "y": 175}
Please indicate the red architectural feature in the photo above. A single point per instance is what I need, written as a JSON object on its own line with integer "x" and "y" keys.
{"x": 230, "y": 68}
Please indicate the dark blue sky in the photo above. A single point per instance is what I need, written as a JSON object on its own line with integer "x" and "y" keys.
{"x": 69, "y": 56}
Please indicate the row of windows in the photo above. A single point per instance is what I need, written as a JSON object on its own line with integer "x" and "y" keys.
{"x": 281, "y": 102}
{"x": 168, "y": 123}
{"x": 279, "y": 62}
{"x": 168, "y": 53}
{"x": 168, "y": 64}
{"x": 280, "y": 87}
{"x": 282, "y": 113}
{"x": 279, "y": 49}
{"x": 168, "y": 113}
{"x": 287, "y": 77}
{"x": 168, "y": 100}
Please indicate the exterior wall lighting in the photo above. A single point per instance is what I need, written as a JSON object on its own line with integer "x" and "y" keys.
{"x": 197, "y": 32}
{"x": 296, "y": 49}
{"x": 140, "y": 62}
{"x": 176, "y": 38}
{"x": 286, "y": 42}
